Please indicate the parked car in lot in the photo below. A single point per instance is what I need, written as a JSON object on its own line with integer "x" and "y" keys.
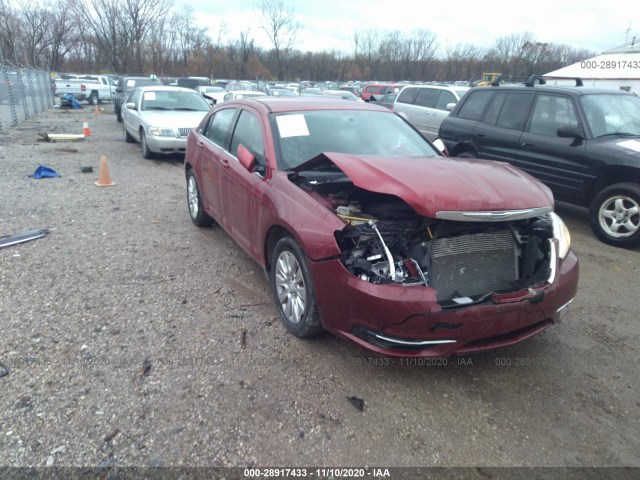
{"x": 126, "y": 86}
{"x": 384, "y": 101}
{"x": 236, "y": 94}
{"x": 425, "y": 106}
{"x": 584, "y": 143}
{"x": 215, "y": 94}
{"x": 160, "y": 118}
{"x": 343, "y": 94}
{"x": 367, "y": 231}
{"x": 280, "y": 92}
{"x": 378, "y": 89}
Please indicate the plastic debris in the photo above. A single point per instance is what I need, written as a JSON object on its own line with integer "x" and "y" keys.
{"x": 357, "y": 402}
{"x": 44, "y": 172}
{"x": 22, "y": 237}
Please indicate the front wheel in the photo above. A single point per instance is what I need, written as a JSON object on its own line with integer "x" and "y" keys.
{"x": 146, "y": 152}
{"x": 467, "y": 154}
{"x": 293, "y": 289}
{"x": 615, "y": 215}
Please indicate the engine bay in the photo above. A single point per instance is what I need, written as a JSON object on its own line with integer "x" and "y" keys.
{"x": 386, "y": 242}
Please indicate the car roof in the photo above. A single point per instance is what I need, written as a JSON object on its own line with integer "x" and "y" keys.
{"x": 570, "y": 89}
{"x": 166, "y": 88}
{"x": 301, "y": 103}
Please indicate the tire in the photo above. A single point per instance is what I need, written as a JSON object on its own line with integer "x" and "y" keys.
{"x": 127, "y": 137}
{"x": 614, "y": 215}
{"x": 146, "y": 153}
{"x": 293, "y": 290}
{"x": 93, "y": 99}
{"x": 467, "y": 154}
{"x": 199, "y": 217}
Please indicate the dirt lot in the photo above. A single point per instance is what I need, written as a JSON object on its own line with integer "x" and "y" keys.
{"x": 129, "y": 337}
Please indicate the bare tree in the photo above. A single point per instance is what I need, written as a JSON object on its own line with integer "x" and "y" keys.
{"x": 281, "y": 26}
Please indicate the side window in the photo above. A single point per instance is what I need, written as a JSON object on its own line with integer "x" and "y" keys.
{"x": 474, "y": 106}
{"x": 551, "y": 111}
{"x": 218, "y": 126}
{"x": 515, "y": 111}
{"x": 444, "y": 99}
{"x": 407, "y": 95}
{"x": 134, "y": 97}
{"x": 427, "y": 97}
{"x": 248, "y": 132}
{"x": 491, "y": 117}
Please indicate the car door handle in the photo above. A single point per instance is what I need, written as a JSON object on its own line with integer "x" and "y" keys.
{"x": 481, "y": 135}
{"x": 200, "y": 144}
{"x": 224, "y": 162}
{"x": 525, "y": 144}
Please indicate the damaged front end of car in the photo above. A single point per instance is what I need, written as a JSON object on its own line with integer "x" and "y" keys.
{"x": 449, "y": 261}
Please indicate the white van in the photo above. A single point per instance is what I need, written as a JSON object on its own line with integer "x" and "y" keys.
{"x": 425, "y": 106}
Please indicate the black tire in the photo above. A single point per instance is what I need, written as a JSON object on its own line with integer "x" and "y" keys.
{"x": 614, "y": 215}
{"x": 198, "y": 216}
{"x": 293, "y": 290}
{"x": 127, "y": 137}
{"x": 146, "y": 153}
{"x": 93, "y": 99}
{"x": 467, "y": 154}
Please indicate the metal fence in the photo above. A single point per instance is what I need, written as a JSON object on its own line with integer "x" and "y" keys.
{"x": 23, "y": 94}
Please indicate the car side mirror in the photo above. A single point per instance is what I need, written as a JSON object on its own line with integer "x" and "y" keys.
{"x": 569, "y": 131}
{"x": 450, "y": 106}
{"x": 247, "y": 159}
{"x": 131, "y": 106}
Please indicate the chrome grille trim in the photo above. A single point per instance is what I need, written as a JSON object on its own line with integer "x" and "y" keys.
{"x": 184, "y": 131}
{"x": 493, "y": 216}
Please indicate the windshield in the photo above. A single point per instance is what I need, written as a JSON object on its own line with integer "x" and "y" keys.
{"x": 612, "y": 114}
{"x": 167, "y": 100}
{"x": 303, "y": 135}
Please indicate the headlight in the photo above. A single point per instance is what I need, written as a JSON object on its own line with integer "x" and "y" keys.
{"x": 560, "y": 233}
{"x": 162, "y": 132}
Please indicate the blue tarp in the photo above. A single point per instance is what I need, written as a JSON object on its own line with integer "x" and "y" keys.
{"x": 69, "y": 101}
{"x": 44, "y": 172}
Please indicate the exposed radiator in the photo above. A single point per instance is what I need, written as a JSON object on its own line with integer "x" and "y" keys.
{"x": 470, "y": 265}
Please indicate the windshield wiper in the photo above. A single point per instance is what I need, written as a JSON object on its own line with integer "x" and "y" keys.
{"x": 187, "y": 109}
{"x": 155, "y": 108}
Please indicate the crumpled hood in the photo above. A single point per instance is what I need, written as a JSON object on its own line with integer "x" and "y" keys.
{"x": 433, "y": 184}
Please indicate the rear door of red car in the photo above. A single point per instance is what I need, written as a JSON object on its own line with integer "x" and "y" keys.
{"x": 242, "y": 189}
{"x": 213, "y": 159}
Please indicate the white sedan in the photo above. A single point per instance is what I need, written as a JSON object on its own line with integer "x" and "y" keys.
{"x": 161, "y": 117}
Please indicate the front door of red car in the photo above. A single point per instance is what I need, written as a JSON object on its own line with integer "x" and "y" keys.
{"x": 243, "y": 189}
{"x": 212, "y": 157}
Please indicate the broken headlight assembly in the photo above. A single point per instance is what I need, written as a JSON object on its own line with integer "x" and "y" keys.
{"x": 560, "y": 233}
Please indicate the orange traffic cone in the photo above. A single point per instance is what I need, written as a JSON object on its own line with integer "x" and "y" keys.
{"x": 104, "y": 177}
{"x": 85, "y": 129}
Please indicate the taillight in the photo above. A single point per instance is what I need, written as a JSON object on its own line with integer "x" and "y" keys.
{"x": 83, "y": 87}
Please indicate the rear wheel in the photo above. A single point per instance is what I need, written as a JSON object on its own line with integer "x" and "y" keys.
{"x": 93, "y": 99}
{"x": 615, "y": 215}
{"x": 198, "y": 216}
{"x": 293, "y": 289}
{"x": 127, "y": 137}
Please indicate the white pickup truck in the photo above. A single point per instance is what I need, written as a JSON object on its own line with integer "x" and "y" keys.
{"x": 92, "y": 88}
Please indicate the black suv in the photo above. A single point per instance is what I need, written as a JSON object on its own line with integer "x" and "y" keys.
{"x": 584, "y": 143}
{"x": 125, "y": 87}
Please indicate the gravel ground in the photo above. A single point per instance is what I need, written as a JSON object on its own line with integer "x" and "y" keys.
{"x": 128, "y": 337}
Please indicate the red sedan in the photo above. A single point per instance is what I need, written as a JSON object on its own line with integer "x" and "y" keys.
{"x": 367, "y": 231}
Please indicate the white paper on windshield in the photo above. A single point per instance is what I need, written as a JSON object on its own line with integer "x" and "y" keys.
{"x": 292, "y": 126}
{"x": 630, "y": 144}
{"x": 149, "y": 95}
{"x": 131, "y": 83}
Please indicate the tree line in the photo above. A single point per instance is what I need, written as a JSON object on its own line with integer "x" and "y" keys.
{"x": 156, "y": 36}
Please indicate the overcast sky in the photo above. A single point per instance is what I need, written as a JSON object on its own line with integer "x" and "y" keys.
{"x": 330, "y": 24}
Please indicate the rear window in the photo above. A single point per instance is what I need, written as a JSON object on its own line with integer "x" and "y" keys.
{"x": 475, "y": 104}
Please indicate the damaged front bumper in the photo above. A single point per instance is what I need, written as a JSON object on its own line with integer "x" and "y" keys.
{"x": 408, "y": 321}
